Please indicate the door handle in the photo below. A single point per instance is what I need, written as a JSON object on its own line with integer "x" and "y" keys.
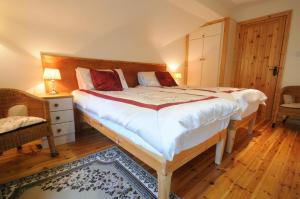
{"x": 275, "y": 70}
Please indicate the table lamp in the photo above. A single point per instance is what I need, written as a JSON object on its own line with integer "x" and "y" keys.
{"x": 52, "y": 74}
{"x": 177, "y": 76}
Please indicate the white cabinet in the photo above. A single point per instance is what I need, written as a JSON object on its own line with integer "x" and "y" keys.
{"x": 204, "y": 55}
{"x": 62, "y": 118}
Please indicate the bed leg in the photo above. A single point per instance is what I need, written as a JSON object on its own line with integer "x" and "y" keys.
{"x": 164, "y": 185}
{"x": 52, "y": 147}
{"x": 250, "y": 125}
{"x": 220, "y": 150}
{"x": 78, "y": 125}
{"x": 231, "y": 131}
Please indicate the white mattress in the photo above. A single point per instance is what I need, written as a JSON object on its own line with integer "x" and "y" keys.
{"x": 191, "y": 139}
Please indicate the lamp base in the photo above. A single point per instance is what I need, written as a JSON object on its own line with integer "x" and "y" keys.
{"x": 52, "y": 87}
{"x": 53, "y": 92}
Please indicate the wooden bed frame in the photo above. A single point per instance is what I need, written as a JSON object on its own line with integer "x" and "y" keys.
{"x": 164, "y": 168}
{"x": 234, "y": 125}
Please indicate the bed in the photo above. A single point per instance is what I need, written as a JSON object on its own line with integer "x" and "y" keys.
{"x": 247, "y": 99}
{"x": 155, "y": 153}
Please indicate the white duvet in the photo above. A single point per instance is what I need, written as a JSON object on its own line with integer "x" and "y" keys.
{"x": 161, "y": 128}
{"x": 247, "y": 100}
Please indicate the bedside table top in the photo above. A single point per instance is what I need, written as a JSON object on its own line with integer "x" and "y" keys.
{"x": 58, "y": 95}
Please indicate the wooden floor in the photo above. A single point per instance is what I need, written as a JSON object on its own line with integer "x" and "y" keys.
{"x": 265, "y": 165}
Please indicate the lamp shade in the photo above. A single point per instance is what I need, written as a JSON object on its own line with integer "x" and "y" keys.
{"x": 177, "y": 75}
{"x": 51, "y": 74}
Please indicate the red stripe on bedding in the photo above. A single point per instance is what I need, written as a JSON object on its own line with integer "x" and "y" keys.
{"x": 212, "y": 91}
{"x": 200, "y": 89}
{"x": 231, "y": 91}
{"x": 140, "y": 104}
{"x": 185, "y": 89}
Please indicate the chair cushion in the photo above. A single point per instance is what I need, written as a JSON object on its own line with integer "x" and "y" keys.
{"x": 291, "y": 105}
{"x": 288, "y": 99}
{"x": 11, "y": 123}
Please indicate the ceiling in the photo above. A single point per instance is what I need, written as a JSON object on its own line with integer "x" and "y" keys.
{"x": 233, "y": 3}
{"x": 244, "y": 1}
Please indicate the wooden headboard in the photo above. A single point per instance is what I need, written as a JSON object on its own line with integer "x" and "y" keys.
{"x": 67, "y": 65}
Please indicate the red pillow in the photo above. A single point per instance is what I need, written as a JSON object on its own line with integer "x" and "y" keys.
{"x": 165, "y": 78}
{"x": 106, "y": 80}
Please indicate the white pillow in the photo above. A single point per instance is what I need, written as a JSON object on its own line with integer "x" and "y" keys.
{"x": 288, "y": 99}
{"x": 84, "y": 79}
{"x": 140, "y": 78}
{"x": 122, "y": 78}
{"x": 148, "y": 79}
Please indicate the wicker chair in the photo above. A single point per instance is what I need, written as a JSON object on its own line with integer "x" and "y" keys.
{"x": 35, "y": 107}
{"x": 284, "y": 111}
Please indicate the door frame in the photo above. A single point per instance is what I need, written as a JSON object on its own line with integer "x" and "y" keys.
{"x": 288, "y": 15}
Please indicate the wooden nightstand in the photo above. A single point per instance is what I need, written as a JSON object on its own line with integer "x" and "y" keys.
{"x": 62, "y": 118}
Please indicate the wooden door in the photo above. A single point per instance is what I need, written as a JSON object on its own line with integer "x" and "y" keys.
{"x": 195, "y": 62}
{"x": 259, "y": 56}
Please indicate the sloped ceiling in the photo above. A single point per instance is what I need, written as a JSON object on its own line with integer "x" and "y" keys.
{"x": 231, "y": 5}
{"x": 76, "y": 26}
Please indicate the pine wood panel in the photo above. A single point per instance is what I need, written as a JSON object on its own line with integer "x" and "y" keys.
{"x": 186, "y": 56}
{"x": 261, "y": 47}
{"x": 224, "y": 51}
{"x": 265, "y": 165}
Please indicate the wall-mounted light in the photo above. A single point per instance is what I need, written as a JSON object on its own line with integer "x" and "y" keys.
{"x": 173, "y": 67}
{"x": 52, "y": 74}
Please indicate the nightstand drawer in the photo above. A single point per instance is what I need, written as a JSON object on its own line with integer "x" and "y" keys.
{"x": 61, "y": 116}
{"x": 60, "y": 140}
{"x": 63, "y": 128}
{"x": 59, "y": 104}
{"x": 64, "y": 139}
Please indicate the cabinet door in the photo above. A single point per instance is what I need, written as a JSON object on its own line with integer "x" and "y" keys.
{"x": 214, "y": 29}
{"x": 194, "y": 62}
{"x": 207, "y": 31}
{"x": 197, "y": 34}
{"x": 211, "y": 63}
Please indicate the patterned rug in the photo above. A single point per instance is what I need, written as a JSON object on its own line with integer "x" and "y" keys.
{"x": 107, "y": 174}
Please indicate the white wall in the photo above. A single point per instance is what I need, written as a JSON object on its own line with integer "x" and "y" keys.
{"x": 133, "y": 30}
{"x": 291, "y": 71}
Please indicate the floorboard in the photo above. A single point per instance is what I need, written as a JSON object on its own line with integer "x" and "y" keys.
{"x": 264, "y": 165}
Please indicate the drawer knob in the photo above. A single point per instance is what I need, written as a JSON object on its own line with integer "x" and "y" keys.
{"x": 56, "y": 105}
{"x": 57, "y": 118}
{"x": 58, "y": 130}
